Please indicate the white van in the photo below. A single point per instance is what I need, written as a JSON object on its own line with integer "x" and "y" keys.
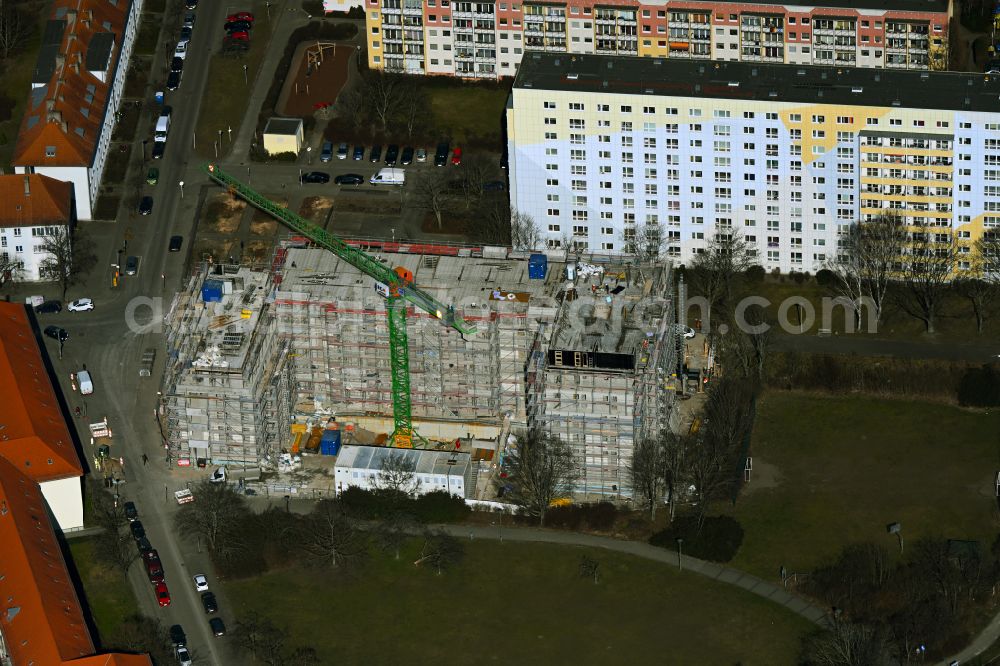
{"x": 389, "y": 177}
{"x": 162, "y": 125}
{"x": 86, "y": 383}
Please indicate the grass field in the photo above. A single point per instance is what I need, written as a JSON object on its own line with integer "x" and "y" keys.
{"x": 829, "y": 471}
{"x": 15, "y": 75}
{"x": 522, "y": 604}
{"x": 469, "y": 114}
{"x": 108, "y": 595}
{"x": 227, "y": 95}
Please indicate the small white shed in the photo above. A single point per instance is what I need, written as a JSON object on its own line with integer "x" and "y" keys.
{"x": 283, "y": 135}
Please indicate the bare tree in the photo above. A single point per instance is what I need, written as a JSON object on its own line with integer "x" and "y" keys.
{"x": 981, "y": 285}
{"x": 717, "y": 271}
{"x": 524, "y": 232}
{"x": 68, "y": 255}
{"x": 216, "y": 517}
{"x": 14, "y": 29}
{"x": 928, "y": 266}
{"x": 114, "y": 544}
{"x": 477, "y": 169}
{"x": 441, "y": 551}
{"x": 748, "y": 345}
{"x": 259, "y": 636}
{"x": 866, "y": 257}
{"x": 590, "y": 568}
{"x": 675, "y": 469}
{"x": 493, "y": 221}
{"x": 11, "y": 269}
{"x": 331, "y": 538}
{"x": 540, "y": 470}
{"x": 648, "y": 471}
{"x": 384, "y": 93}
{"x": 143, "y": 634}
{"x": 431, "y": 193}
{"x": 646, "y": 243}
{"x": 415, "y": 109}
{"x": 391, "y": 533}
{"x": 848, "y": 644}
{"x": 397, "y": 473}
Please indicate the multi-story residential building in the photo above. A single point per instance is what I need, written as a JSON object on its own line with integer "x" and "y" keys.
{"x": 31, "y": 208}
{"x": 605, "y": 150}
{"x": 76, "y": 92}
{"x": 488, "y": 39}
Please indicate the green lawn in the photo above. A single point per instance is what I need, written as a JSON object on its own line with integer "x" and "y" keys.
{"x": 469, "y": 114}
{"x": 522, "y": 604}
{"x": 227, "y": 96}
{"x": 829, "y": 471}
{"x": 15, "y": 75}
{"x": 108, "y": 594}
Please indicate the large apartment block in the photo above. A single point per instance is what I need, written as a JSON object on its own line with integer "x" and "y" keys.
{"x": 605, "y": 150}
{"x": 487, "y": 39}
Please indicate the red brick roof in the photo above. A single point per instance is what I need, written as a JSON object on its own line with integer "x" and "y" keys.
{"x": 67, "y": 113}
{"x": 33, "y": 432}
{"x": 112, "y": 660}
{"x": 40, "y": 615}
{"x": 34, "y": 200}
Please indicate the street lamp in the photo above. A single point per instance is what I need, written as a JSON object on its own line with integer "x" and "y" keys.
{"x": 215, "y": 144}
{"x": 144, "y": 142}
{"x": 897, "y": 529}
{"x": 246, "y": 81}
{"x": 229, "y": 128}
{"x": 309, "y": 157}
{"x": 248, "y": 175}
{"x": 680, "y": 551}
{"x": 287, "y": 499}
{"x": 181, "y": 184}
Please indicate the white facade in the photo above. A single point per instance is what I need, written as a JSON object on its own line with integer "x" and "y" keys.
{"x": 24, "y": 244}
{"x": 593, "y": 168}
{"x": 360, "y": 467}
{"x": 65, "y": 500}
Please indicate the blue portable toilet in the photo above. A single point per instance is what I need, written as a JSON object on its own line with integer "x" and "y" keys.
{"x": 211, "y": 291}
{"x": 329, "y": 445}
{"x": 538, "y": 264}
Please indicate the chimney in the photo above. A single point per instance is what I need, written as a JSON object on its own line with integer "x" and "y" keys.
{"x": 27, "y": 186}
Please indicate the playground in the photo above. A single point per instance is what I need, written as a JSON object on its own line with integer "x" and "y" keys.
{"x": 318, "y": 73}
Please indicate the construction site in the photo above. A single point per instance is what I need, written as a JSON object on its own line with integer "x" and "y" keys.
{"x": 263, "y": 364}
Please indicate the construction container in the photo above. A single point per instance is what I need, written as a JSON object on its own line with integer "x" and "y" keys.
{"x": 211, "y": 291}
{"x": 330, "y": 444}
{"x": 538, "y": 264}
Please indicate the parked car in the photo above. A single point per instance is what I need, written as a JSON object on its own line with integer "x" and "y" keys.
{"x": 376, "y": 153}
{"x": 391, "y": 155}
{"x": 686, "y": 331}
{"x": 151, "y": 554}
{"x": 152, "y": 176}
{"x": 176, "y": 64}
{"x": 189, "y": 19}
{"x": 421, "y": 155}
{"x": 81, "y": 305}
{"x": 49, "y": 307}
{"x": 177, "y": 636}
{"x": 191, "y": 4}
{"x": 217, "y": 626}
{"x": 185, "y": 35}
{"x": 162, "y": 594}
{"x": 183, "y": 655}
{"x": 158, "y": 148}
{"x": 154, "y": 569}
{"x": 138, "y": 531}
{"x": 237, "y": 26}
{"x": 326, "y": 153}
{"x": 407, "y": 157}
{"x": 239, "y": 36}
{"x": 173, "y": 80}
{"x": 144, "y": 546}
{"x": 240, "y": 16}
{"x": 130, "y": 511}
{"x": 456, "y": 156}
{"x": 200, "y": 583}
{"x": 146, "y": 205}
{"x": 175, "y": 243}
{"x": 349, "y": 179}
{"x": 181, "y": 51}
{"x": 441, "y": 154}
{"x": 56, "y": 333}
{"x": 359, "y": 153}
{"x": 318, "y": 177}
{"x": 131, "y": 265}
{"x": 209, "y": 602}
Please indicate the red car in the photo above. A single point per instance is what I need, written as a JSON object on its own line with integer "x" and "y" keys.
{"x": 155, "y": 571}
{"x": 456, "y": 156}
{"x": 240, "y": 16}
{"x": 162, "y": 594}
{"x": 240, "y": 36}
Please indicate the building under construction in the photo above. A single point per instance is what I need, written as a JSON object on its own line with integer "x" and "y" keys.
{"x": 584, "y": 350}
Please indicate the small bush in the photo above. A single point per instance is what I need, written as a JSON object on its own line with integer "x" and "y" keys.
{"x": 826, "y": 278}
{"x": 313, "y": 7}
{"x": 755, "y": 274}
{"x": 597, "y": 516}
{"x": 979, "y": 387}
{"x": 718, "y": 541}
{"x": 282, "y": 157}
{"x": 440, "y": 507}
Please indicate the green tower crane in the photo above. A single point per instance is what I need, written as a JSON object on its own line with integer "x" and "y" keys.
{"x": 398, "y": 288}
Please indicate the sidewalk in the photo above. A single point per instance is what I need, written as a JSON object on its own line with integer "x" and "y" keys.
{"x": 724, "y": 574}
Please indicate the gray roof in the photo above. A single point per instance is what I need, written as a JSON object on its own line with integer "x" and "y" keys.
{"x": 51, "y": 43}
{"x": 283, "y": 126}
{"x": 443, "y": 463}
{"x": 751, "y": 81}
{"x": 99, "y": 51}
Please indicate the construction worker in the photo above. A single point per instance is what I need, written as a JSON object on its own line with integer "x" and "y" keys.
{"x": 145, "y": 459}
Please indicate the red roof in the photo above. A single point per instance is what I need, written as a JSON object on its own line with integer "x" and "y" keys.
{"x": 33, "y": 432}
{"x": 112, "y": 660}
{"x": 40, "y": 615}
{"x": 34, "y": 200}
{"x": 63, "y": 118}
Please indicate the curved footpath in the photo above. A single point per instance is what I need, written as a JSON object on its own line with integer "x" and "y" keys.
{"x": 758, "y": 586}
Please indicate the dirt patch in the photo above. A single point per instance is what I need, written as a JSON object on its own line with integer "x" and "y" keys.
{"x": 315, "y": 209}
{"x": 449, "y": 225}
{"x": 368, "y": 204}
{"x": 213, "y": 250}
{"x": 256, "y": 251}
{"x": 223, "y": 213}
{"x": 316, "y": 84}
{"x": 263, "y": 227}
{"x": 764, "y": 475}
